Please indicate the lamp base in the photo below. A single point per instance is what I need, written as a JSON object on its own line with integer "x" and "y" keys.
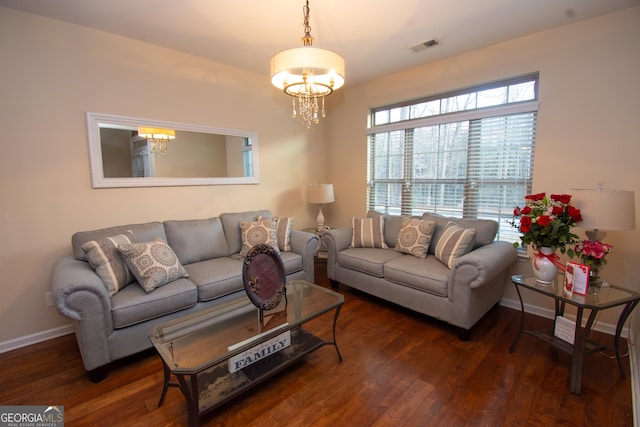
{"x": 595, "y": 235}
{"x": 320, "y": 220}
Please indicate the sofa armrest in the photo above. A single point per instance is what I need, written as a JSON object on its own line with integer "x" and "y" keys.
{"x": 81, "y": 296}
{"x": 79, "y": 292}
{"x": 483, "y": 264}
{"x": 305, "y": 244}
{"x": 336, "y": 240}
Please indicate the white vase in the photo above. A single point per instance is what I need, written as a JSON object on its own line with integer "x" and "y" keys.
{"x": 544, "y": 269}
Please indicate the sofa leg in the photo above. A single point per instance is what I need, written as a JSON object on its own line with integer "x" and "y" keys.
{"x": 334, "y": 284}
{"x": 98, "y": 374}
{"x": 463, "y": 334}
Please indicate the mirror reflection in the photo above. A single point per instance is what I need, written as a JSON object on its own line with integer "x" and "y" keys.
{"x": 128, "y": 152}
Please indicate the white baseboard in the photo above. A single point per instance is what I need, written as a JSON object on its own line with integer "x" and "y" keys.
{"x": 35, "y": 338}
{"x": 606, "y": 328}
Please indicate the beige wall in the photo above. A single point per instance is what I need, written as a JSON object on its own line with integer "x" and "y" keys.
{"x": 587, "y": 125}
{"x": 193, "y": 154}
{"x": 51, "y": 74}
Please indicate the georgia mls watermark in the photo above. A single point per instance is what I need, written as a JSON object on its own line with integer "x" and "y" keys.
{"x": 31, "y": 416}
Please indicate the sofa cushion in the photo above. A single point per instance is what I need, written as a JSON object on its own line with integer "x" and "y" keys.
{"x": 153, "y": 263}
{"x": 414, "y": 236}
{"x": 141, "y": 233}
{"x": 428, "y": 275}
{"x": 453, "y": 243}
{"x": 368, "y": 232}
{"x": 486, "y": 229}
{"x": 367, "y": 260}
{"x": 216, "y": 277}
{"x": 105, "y": 259}
{"x": 231, "y": 226}
{"x": 261, "y": 231}
{"x": 133, "y": 305}
{"x": 196, "y": 240}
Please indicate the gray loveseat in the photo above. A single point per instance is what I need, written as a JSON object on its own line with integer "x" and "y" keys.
{"x": 110, "y": 327}
{"x": 459, "y": 293}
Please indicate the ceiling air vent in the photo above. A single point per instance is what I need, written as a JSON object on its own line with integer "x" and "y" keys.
{"x": 419, "y": 47}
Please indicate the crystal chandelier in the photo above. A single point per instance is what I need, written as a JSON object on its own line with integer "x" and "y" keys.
{"x": 307, "y": 74}
{"x": 158, "y": 138}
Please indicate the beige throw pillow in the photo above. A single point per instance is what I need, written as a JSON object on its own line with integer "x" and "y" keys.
{"x": 105, "y": 259}
{"x": 153, "y": 263}
{"x": 453, "y": 243}
{"x": 262, "y": 230}
{"x": 415, "y": 236}
{"x": 368, "y": 233}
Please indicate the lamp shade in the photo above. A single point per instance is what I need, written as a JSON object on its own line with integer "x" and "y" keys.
{"x": 605, "y": 209}
{"x": 297, "y": 70}
{"x": 320, "y": 194}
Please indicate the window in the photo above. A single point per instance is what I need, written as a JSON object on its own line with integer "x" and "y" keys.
{"x": 247, "y": 157}
{"x": 465, "y": 154}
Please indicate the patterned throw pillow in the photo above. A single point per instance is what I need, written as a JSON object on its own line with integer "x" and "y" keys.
{"x": 368, "y": 233}
{"x": 283, "y": 232}
{"x": 262, "y": 230}
{"x": 104, "y": 258}
{"x": 153, "y": 263}
{"x": 453, "y": 243}
{"x": 415, "y": 236}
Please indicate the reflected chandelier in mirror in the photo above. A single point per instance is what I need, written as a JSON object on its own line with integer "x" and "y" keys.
{"x": 134, "y": 152}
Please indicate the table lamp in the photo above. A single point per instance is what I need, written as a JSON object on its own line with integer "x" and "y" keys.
{"x": 605, "y": 210}
{"x": 320, "y": 194}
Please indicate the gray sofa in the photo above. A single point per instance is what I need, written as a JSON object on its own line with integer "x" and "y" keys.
{"x": 459, "y": 294}
{"x": 110, "y": 327}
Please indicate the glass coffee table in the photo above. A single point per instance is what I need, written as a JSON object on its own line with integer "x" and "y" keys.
{"x": 222, "y": 351}
{"x": 608, "y": 297}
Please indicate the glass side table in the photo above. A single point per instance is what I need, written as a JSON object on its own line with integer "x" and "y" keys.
{"x": 608, "y": 297}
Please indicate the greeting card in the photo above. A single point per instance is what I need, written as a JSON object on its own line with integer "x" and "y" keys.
{"x": 576, "y": 278}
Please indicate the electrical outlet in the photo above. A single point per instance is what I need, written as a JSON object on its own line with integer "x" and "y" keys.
{"x": 48, "y": 297}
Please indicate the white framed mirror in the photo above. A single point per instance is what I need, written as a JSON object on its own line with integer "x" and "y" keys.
{"x": 134, "y": 152}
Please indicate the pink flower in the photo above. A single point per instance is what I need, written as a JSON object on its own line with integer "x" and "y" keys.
{"x": 593, "y": 253}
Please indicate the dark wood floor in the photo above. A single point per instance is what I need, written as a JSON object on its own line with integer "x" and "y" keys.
{"x": 399, "y": 369}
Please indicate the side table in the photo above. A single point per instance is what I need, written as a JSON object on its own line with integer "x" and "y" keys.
{"x": 608, "y": 297}
{"x": 322, "y": 250}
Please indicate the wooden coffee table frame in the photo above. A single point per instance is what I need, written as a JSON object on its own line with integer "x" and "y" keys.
{"x": 208, "y": 385}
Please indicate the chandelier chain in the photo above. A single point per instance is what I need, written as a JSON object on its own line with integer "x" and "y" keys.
{"x": 307, "y": 40}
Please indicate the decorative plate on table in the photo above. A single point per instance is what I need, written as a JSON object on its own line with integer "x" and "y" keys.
{"x": 264, "y": 277}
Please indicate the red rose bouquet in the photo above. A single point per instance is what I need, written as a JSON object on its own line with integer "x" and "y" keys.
{"x": 547, "y": 221}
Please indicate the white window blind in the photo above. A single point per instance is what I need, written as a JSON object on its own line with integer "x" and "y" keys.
{"x": 467, "y": 161}
{"x": 247, "y": 157}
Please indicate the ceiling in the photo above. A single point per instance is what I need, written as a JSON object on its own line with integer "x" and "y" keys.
{"x": 373, "y": 36}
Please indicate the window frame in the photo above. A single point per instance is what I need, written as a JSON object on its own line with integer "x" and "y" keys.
{"x": 472, "y": 116}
